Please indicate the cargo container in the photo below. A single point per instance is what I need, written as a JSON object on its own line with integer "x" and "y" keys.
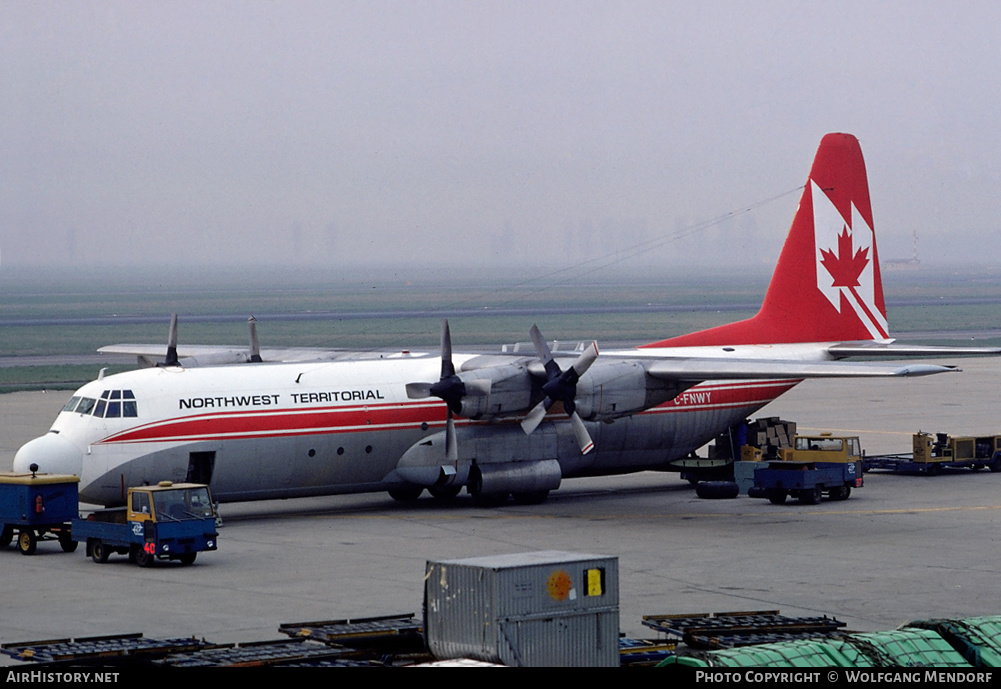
{"x": 548, "y": 608}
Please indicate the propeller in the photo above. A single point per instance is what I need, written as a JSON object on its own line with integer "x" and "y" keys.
{"x": 255, "y": 346}
{"x": 450, "y": 389}
{"x": 561, "y": 386}
{"x": 171, "y": 358}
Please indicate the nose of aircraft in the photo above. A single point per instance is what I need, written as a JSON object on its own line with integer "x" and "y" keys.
{"x": 52, "y": 453}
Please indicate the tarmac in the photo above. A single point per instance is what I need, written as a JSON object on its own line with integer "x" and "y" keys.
{"x": 901, "y": 548}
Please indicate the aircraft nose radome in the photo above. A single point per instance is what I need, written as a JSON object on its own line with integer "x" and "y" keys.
{"x": 53, "y": 455}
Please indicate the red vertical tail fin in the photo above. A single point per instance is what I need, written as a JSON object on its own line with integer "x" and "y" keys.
{"x": 826, "y": 286}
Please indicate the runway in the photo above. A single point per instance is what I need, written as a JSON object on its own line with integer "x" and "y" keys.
{"x": 901, "y": 548}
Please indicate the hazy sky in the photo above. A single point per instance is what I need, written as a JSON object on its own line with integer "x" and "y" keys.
{"x": 329, "y": 133}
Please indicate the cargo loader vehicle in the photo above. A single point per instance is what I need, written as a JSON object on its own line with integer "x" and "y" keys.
{"x": 815, "y": 466}
{"x": 169, "y": 521}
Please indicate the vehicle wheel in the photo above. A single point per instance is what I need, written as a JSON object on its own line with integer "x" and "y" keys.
{"x": 534, "y": 498}
{"x": 995, "y": 465}
{"x": 406, "y": 493}
{"x": 99, "y": 552}
{"x": 27, "y": 542}
{"x": 777, "y": 497}
{"x": 66, "y": 542}
{"x": 188, "y": 558}
{"x": 444, "y": 492}
{"x": 811, "y": 497}
{"x": 717, "y": 490}
{"x": 934, "y": 469}
{"x": 840, "y": 493}
{"x": 6, "y": 536}
{"x": 144, "y": 559}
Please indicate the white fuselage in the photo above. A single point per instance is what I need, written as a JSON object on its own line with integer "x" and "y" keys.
{"x": 295, "y": 429}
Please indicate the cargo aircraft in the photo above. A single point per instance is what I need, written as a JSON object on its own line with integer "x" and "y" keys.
{"x": 515, "y": 422}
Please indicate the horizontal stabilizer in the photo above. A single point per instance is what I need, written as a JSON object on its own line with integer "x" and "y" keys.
{"x": 699, "y": 369}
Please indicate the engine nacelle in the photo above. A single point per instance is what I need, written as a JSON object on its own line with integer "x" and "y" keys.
{"x": 611, "y": 390}
{"x": 510, "y": 392}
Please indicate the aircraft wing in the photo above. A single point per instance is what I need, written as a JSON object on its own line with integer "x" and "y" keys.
{"x": 892, "y": 349}
{"x": 215, "y": 355}
{"x": 699, "y": 369}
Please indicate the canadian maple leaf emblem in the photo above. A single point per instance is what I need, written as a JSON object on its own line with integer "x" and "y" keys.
{"x": 846, "y": 267}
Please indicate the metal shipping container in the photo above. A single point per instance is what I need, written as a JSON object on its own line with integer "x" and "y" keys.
{"x": 548, "y": 608}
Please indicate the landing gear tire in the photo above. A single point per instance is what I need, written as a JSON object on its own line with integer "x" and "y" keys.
{"x": 490, "y": 499}
{"x": 99, "y": 552}
{"x": 66, "y": 542}
{"x": 534, "y": 498}
{"x": 188, "y": 558}
{"x": 405, "y": 493}
{"x": 27, "y": 542}
{"x": 444, "y": 492}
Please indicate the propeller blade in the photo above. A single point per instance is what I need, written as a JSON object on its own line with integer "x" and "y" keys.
{"x": 255, "y": 345}
{"x": 534, "y": 418}
{"x": 580, "y": 431}
{"x": 451, "y": 444}
{"x": 171, "y": 358}
{"x": 447, "y": 369}
{"x": 584, "y": 361}
{"x": 545, "y": 354}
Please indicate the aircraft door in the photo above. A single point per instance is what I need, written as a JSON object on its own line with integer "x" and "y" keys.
{"x": 200, "y": 467}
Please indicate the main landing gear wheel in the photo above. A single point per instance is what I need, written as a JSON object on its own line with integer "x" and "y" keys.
{"x": 27, "y": 542}
{"x": 405, "y": 493}
{"x": 444, "y": 492}
{"x": 534, "y": 498}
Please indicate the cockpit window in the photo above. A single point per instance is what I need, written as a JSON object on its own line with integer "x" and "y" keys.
{"x": 116, "y": 404}
{"x": 86, "y": 405}
{"x": 71, "y": 405}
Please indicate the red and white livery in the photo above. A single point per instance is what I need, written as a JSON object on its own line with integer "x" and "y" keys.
{"x": 511, "y": 423}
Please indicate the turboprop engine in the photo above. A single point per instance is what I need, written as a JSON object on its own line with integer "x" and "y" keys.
{"x": 620, "y": 388}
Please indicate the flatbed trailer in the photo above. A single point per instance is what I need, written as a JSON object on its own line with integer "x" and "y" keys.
{"x": 934, "y": 452}
{"x": 39, "y": 507}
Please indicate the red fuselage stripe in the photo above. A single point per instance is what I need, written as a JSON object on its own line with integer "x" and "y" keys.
{"x": 347, "y": 419}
